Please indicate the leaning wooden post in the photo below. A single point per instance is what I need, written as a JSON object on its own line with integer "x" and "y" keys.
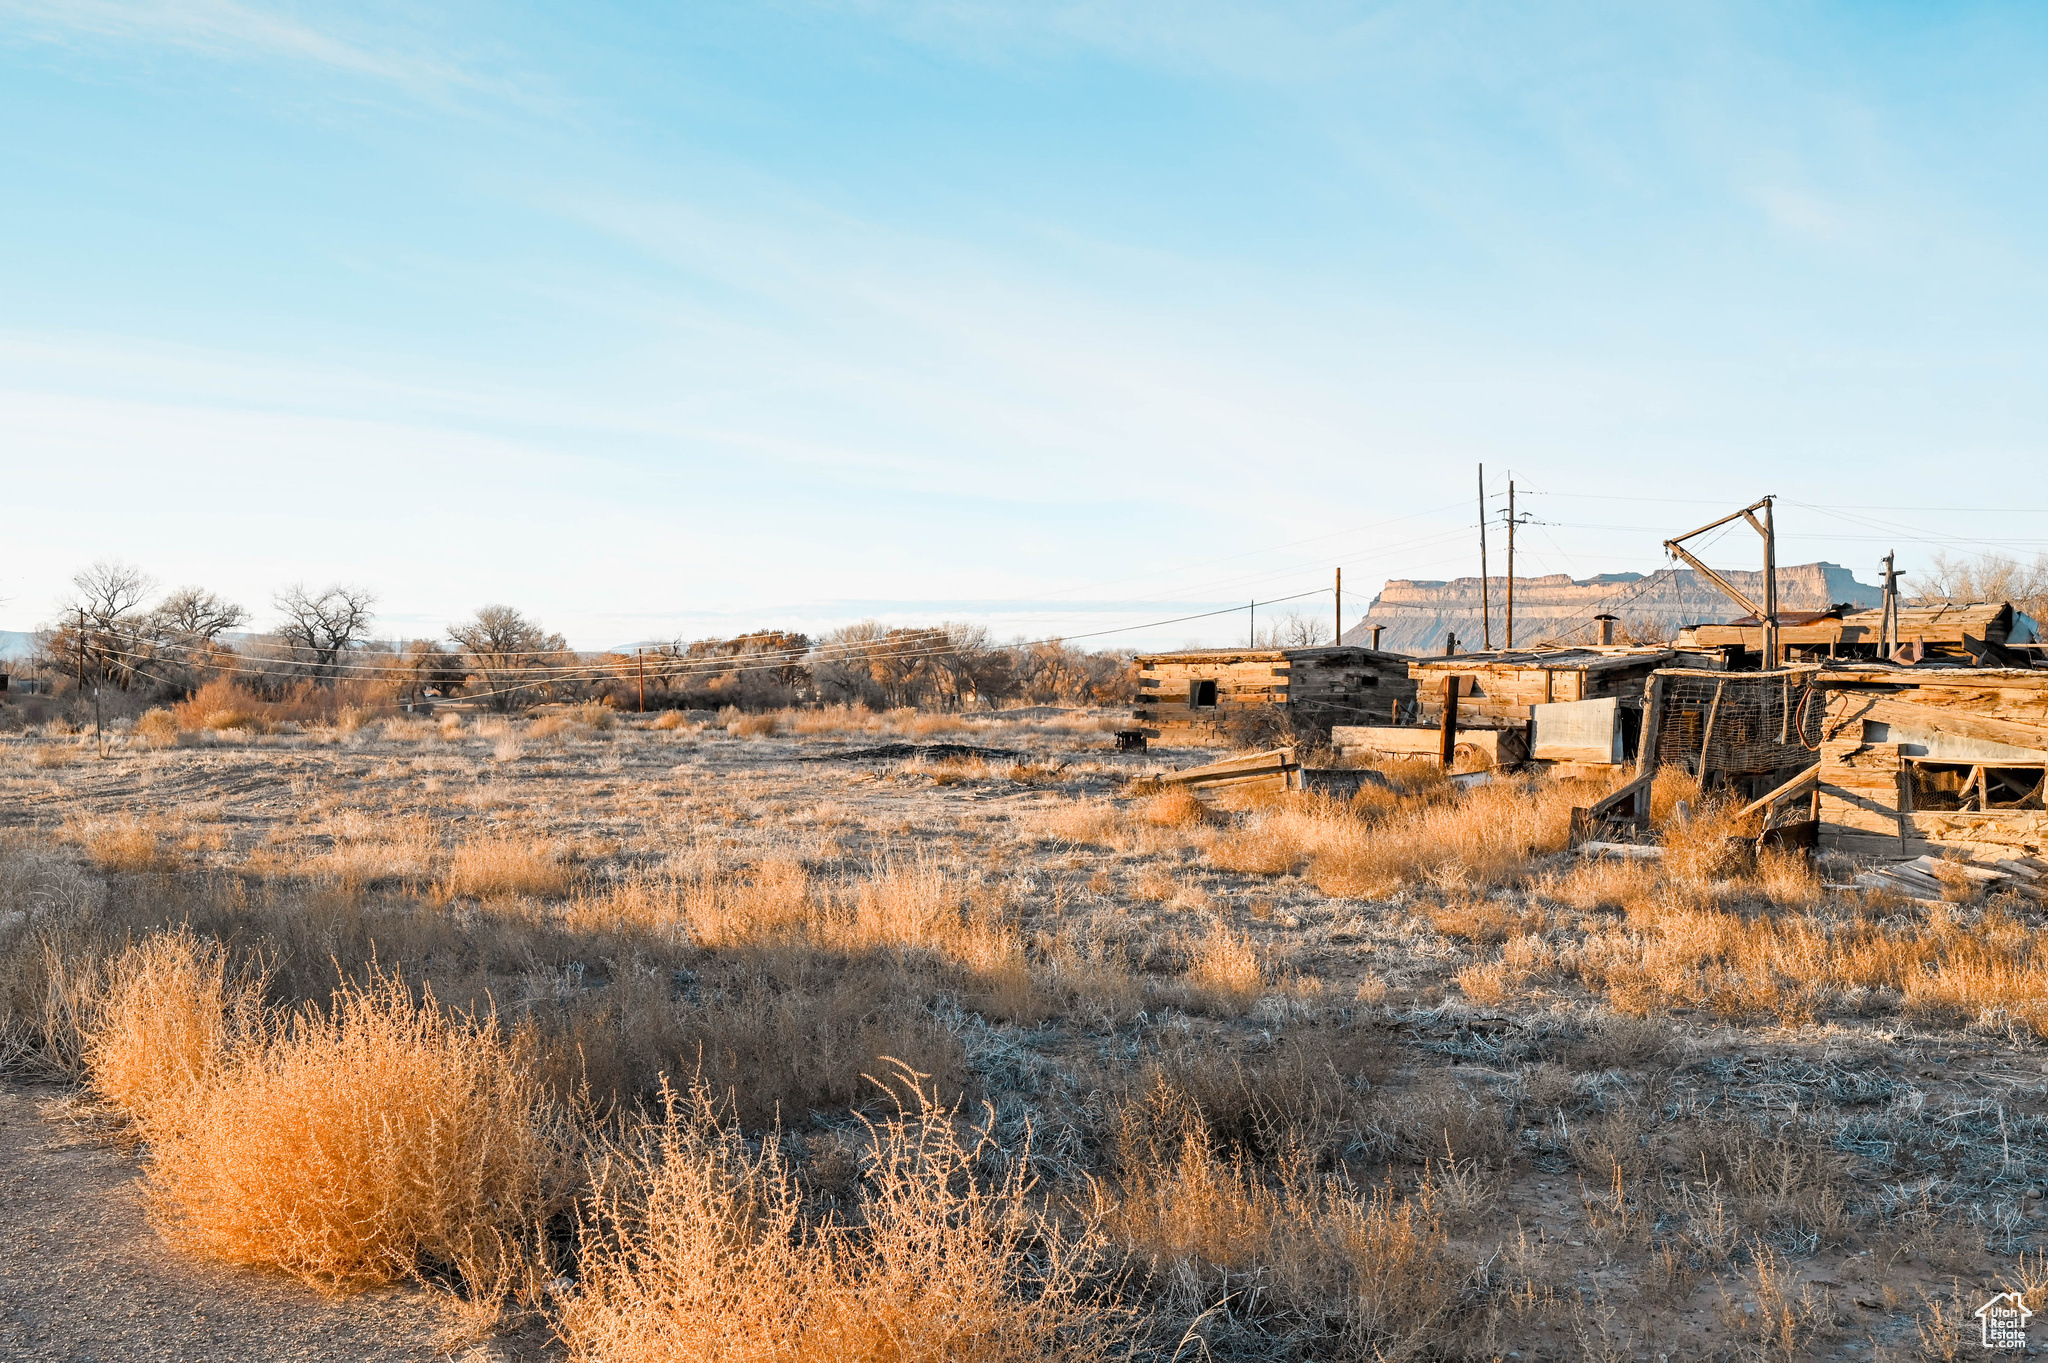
{"x": 1653, "y": 722}
{"x": 1707, "y": 736}
{"x": 1448, "y": 743}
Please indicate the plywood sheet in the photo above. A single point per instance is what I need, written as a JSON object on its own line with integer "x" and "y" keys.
{"x": 1576, "y": 731}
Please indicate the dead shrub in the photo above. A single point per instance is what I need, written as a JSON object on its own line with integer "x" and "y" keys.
{"x": 1375, "y": 1266}
{"x": 1486, "y": 922}
{"x": 1259, "y": 849}
{"x": 698, "y": 1244}
{"x": 347, "y": 1147}
{"x": 903, "y": 909}
{"x": 157, "y": 728}
{"x": 775, "y": 1039}
{"x": 1094, "y": 976}
{"x": 1174, "y": 807}
{"x": 1669, "y": 786}
{"x": 741, "y": 725}
{"x": 1154, "y": 884}
{"x": 771, "y": 903}
{"x": 1224, "y": 976}
{"x": 372, "y": 851}
{"x": 220, "y": 704}
{"x": 500, "y": 867}
{"x": 1094, "y": 822}
{"x": 1483, "y": 838}
{"x": 124, "y": 843}
{"x": 165, "y": 1024}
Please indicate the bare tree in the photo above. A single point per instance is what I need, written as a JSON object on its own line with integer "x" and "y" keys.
{"x": 510, "y": 654}
{"x": 1295, "y": 630}
{"x": 193, "y": 614}
{"x": 322, "y": 628}
{"x": 102, "y": 629}
{"x": 1993, "y": 577}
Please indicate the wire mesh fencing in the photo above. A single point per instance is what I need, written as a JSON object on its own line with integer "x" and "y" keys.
{"x": 1738, "y": 723}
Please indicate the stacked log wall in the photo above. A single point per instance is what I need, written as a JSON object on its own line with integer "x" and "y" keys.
{"x": 1319, "y": 688}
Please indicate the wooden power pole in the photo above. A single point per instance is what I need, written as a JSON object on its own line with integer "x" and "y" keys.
{"x": 1340, "y": 608}
{"x": 1485, "y": 605}
{"x": 1511, "y": 563}
{"x": 1770, "y": 589}
{"x": 1891, "y": 609}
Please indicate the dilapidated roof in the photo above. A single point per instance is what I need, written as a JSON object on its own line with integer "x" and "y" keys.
{"x": 1585, "y": 659}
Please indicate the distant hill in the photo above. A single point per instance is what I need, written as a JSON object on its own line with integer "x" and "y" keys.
{"x": 15, "y": 643}
{"x": 1560, "y": 609}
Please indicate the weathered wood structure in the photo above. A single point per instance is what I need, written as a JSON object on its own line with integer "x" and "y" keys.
{"x": 1278, "y": 770}
{"x": 1980, "y": 631}
{"x": 1929, "y": 759}
{"x": 1250, "y": 694}
{"x": 1578, "y": 706}
{"x": 1743, "y": 730}
{"x": 1503, "y": 686}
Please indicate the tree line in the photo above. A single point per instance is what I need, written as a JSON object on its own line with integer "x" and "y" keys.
{"x": 115, "y": 631}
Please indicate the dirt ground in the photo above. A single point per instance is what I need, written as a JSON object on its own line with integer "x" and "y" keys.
{"x": 1932, "y": 1143}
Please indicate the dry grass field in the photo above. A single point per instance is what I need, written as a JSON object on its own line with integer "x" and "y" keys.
{"x": 742, "y": 1042}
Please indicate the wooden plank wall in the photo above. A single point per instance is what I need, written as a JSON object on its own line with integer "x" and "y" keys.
{"x": 1507, "y": 690}
{"x": 1864, "y": 804}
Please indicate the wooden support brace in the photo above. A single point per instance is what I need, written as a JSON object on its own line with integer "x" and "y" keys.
{"x": 1801, "y": 784}
{"x": 1448, "y": 745}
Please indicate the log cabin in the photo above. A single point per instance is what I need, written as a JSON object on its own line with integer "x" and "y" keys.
{"x": 1247, "y": 694}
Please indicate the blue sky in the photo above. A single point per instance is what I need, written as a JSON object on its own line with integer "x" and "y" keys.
{"x": 676, "y": 320}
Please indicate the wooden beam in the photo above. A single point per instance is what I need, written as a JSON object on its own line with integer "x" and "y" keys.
{"x": 1653, "y": 723}
{"x": 1636, "y": 794}
{"x": 1447, "y": 746}
{"x": 1801, "y": 784}
{"x": 1707, "y": 734}
{"x": 1937, "y": 719}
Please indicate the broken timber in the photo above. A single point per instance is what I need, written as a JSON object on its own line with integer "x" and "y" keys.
{"x": 1275, "y": 769}
{"x": 1279, "y": 769}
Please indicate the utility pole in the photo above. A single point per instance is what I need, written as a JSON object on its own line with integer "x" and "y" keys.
{"x": 1511, "y": 563}
{"x": 1253, "y": 642}
{"x": 81, "y": 651}
{"x": 640, "y": 665}
{"x": 1340, "y": 608}
{"x": 1890, "y": 617}
{"x": 1485, "y": 604}
{"x": 1770, "y": 589}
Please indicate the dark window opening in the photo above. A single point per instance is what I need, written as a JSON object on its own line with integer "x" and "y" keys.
{"x": 1202, "y": 694}
{"x": 1942, "y": 786}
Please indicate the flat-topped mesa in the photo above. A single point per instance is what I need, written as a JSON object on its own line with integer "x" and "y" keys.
{"x": 1415, "y": 616}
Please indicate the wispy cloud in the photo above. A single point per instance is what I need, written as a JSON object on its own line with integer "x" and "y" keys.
{"x": 226, "y": 30}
